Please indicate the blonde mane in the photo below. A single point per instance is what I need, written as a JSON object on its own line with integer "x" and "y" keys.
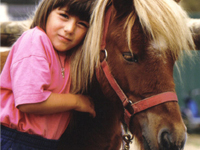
{"x": 160, "y": 19}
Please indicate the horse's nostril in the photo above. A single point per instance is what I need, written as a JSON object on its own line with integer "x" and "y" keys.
{"x": 165, "y": 140}
{"x": 168, "y": 142}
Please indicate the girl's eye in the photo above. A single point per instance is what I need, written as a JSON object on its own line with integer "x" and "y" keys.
{"x": 64, "y": 15}
{"x": 84, "y": 24}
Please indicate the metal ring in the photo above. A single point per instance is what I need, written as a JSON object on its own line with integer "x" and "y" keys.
{"x": 130, "y": 102}
{"x": 106, "y": 54}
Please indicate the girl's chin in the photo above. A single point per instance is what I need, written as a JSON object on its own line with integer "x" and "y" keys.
{"x": 62, "y": 48}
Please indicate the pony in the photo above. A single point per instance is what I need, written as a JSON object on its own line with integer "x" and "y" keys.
{"x": 133, "y": 46}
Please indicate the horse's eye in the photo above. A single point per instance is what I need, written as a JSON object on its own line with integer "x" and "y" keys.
{"x": 130, "y": 57}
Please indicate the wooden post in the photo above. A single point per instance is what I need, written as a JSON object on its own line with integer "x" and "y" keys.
{"x": 10, "y": 31}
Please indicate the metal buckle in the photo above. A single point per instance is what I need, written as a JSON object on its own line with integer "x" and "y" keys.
{"x": 127, "y": 139}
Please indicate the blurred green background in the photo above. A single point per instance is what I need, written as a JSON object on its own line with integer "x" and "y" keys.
{"x": 188, "y": 81}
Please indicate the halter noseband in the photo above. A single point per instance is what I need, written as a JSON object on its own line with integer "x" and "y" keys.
{"x": 140, "y": 105}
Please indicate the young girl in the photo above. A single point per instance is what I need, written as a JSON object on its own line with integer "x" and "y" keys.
{"x": 36, "y": 102}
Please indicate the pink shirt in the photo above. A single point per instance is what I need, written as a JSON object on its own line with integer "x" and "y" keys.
{"x": 31, "y": 73}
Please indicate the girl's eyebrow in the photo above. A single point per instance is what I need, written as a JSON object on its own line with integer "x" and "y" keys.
{"x": 67, "y": 12}
{"x": 64, "y": 9}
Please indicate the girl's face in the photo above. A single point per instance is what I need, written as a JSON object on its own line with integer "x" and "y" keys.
{"x": 65, "y": 31}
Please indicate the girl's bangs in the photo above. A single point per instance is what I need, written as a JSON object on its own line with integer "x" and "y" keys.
{"x": 80, "y": 8}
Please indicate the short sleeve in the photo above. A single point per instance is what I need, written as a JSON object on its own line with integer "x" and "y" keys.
{"x": 30, "y": 77}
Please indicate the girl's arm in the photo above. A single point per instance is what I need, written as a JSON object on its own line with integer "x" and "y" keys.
{"x": 57, "y": 103}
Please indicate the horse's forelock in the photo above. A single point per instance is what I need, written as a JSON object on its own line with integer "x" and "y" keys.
{"x": 160, "y": 19}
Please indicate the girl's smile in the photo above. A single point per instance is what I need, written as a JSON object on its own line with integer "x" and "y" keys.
{"x": 64, "y": 39}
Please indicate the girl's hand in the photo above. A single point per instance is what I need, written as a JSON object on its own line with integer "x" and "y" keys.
{"x": 84, "y": 104}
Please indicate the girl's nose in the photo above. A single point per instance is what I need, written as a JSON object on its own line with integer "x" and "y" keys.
{"x": 70, "y": 26}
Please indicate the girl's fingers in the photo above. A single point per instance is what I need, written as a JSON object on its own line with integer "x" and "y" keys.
{"x": 92, "y": 110}
{"x": 93, "y": 114}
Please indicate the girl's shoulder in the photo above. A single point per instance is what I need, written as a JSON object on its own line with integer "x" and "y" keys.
{"x": 34, "y": 38}
{"x": 35, "y": 34}
{"x": 33, "y": 42}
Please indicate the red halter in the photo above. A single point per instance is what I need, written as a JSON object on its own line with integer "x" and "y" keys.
{"x": 140, "y": 105}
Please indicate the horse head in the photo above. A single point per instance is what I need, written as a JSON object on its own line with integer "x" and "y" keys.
{"x": 143, "y": 43}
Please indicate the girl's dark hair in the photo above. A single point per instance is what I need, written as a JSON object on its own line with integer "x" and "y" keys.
{"x": 80, "y": 8}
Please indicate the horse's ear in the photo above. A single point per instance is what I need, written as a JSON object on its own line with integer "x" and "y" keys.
{"x": 177, "y": 1}
{"x": 122, "y": 5}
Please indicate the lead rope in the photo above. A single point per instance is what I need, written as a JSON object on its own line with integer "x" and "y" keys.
{"x": 127, "y": 137}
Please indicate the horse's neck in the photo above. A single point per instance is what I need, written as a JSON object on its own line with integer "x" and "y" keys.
{"x": 105, "y": 103}
{"x": 105, "y": 98}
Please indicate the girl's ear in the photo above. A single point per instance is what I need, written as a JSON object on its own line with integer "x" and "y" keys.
{"x": 122, "y": 5}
